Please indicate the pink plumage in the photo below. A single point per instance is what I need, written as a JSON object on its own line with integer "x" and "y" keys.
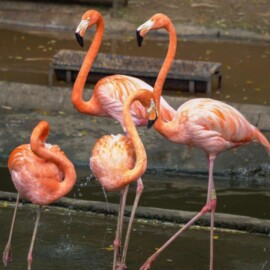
{"x": 211, "y": 125}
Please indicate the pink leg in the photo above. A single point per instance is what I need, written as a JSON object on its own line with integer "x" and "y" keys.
{"x": 7, "y": 254}
{"x": 209, "y": 206}
{"x": 30, "y": 257}
{"x": 119, "y": 229}
{"x": 139, "y": 191}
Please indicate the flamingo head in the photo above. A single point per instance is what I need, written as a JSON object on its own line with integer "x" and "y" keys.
{"x": 152, "y": 114}
{"x": 39, "y": 135}
{"x": 89, "y": 18}
{"x": 157, "y": 21}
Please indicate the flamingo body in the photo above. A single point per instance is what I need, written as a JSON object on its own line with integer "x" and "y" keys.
{"x": 112, "y": 91}
{"x": 210, "y": 125}
{"x": 36, "y": 179}
{"x": 111, "y": 157}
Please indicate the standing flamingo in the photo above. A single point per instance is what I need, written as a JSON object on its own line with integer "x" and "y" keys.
{"x": 208, "y": 124}
{"x": 110, "y": 92}
{"x": 41, "y": 174}
{"x": 117, "y": 161}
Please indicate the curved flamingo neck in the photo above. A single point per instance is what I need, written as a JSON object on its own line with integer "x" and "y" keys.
{"x": 158, "y": 87}
{"x": 37, "y": 144}
{"x": 144, "y": 96}
{"x": 165, "y": 127}
{"x": 89, "y": 107}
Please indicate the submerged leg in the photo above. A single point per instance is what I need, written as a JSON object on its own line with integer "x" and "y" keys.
{"x": 132, "y": 215}
{"x": 119, "y": 229}
{"x": 30, "y": 257}
{"x": 7, "y": 254}
{"x": 209, "y": 206}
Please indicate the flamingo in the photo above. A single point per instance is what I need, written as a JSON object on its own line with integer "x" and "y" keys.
{"x": 41, "y": 174}
{"x": 208, "y": 124}
{"x": 117, "y": 161}
{"x": 110, "y": 92}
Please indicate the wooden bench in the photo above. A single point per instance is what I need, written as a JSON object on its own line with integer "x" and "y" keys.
{"x": 183, "y": 75}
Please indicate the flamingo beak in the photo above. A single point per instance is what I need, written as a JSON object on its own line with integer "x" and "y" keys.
{"x": 81, "y": 30}
{"x": 79, "y": 39}
{"x": 142, "y": 31}
{"x": 139, "y": 38}
{"x": 150, "y": 123}
{"x": 152, "y": 114}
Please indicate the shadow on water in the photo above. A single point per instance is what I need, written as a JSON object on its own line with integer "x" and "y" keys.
{"x": 25, "y": 57}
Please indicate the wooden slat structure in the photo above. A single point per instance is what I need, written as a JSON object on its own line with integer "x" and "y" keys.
{"x": 184, "y": 75}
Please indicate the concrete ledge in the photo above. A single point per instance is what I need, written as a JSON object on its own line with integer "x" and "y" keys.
{"x": 22, "y": 96}
{"x": 222, "y": 221}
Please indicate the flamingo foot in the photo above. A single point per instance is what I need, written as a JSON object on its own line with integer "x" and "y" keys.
{"x": 7, "y": 255}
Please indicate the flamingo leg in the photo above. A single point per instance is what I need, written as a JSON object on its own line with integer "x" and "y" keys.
{"x": 30, "y": 257}
{"x": 119, "y": 229}
{"x": 209, "y": 206}
{"x": 7, "y": 254}
{"x": 139, "y": 191}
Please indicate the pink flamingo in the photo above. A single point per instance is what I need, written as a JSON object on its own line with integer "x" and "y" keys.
{"x": 119, "y": 160}
{"x": 110, "y": 92}
{"x": 208, "y": 124}
{"x": 41, "y": 174}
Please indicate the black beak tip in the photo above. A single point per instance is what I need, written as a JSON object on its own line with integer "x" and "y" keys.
{"x": 79, "y": 39}
{"x": 150, "y": 123}
{"x": 139, "y": 38}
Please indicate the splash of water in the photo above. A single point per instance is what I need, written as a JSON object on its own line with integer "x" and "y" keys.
{"x": 106, "y": 199}
{"x": 264, "y": 265}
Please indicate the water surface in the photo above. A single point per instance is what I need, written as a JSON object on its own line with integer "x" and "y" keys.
{"x": 245, "y": 198}
{"x": 74, "y": 240}
{"x": 25, "y": 57}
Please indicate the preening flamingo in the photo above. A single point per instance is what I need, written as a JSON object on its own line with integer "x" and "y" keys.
{"x": 41, "y": 174}
{"x": 208, "y": 124}
{"x": 110, "y": 92}
{"x": 117, "y": 161}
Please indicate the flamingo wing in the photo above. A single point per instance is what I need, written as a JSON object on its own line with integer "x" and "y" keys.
{"x": 213, "y": 125}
